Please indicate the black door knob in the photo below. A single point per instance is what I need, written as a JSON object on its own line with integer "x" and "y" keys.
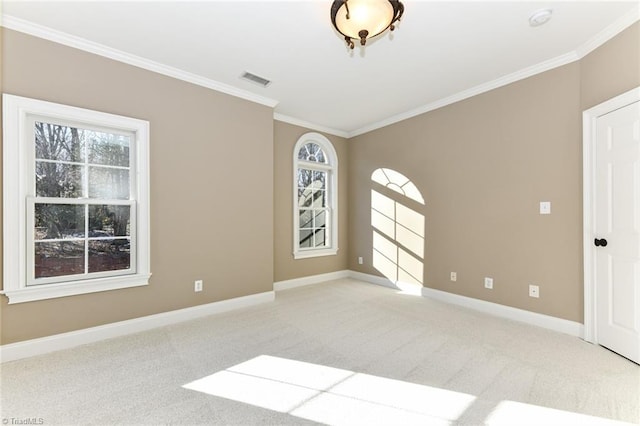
{"x": 600, "y": 242}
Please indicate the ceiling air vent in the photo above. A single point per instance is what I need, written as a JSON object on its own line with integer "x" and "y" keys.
{"x": 255, "y": 79}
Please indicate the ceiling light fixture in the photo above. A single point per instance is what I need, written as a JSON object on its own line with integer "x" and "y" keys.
{"x": 364, "y": 19}
{"x": 540, "y": 17}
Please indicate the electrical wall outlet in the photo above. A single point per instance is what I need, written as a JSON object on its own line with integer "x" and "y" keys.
{"x": 488, "y": 282}
{"x": 454, "y": 276}
{"x": 534, "y": 291}
{"x": 197, "y": 285}
{"x": 360, "y": 261}
{"x": 545, "y": 207}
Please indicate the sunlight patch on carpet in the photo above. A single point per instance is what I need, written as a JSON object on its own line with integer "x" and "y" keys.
{"x": 332, "y": 395}
{"x": 509, "y": 413}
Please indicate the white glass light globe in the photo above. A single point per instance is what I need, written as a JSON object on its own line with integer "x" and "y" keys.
{"x": 373, "y": 16}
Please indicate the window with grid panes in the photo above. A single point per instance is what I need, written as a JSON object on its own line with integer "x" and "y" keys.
{"x": 79, "y": 179}
{"x": 315, "y": 195}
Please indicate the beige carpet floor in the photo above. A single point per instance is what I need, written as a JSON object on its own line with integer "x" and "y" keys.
{"x": 342, "y": 352}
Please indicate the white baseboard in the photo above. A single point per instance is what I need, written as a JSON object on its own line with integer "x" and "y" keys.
{"x": 312, "y": 279}
{"x": 545, "y": 321}
{"x": 373, "y": 279}
{"x": 28, "y": 348}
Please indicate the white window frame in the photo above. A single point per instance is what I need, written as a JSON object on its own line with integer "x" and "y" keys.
{"x": 331, "y": 168}
{"x": 18, "y": 193}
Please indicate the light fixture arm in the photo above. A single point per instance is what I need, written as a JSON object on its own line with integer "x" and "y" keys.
{"x": 363, "y": 37}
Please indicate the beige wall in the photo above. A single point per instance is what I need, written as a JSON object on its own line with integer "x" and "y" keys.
{"x": 483, "y": 165}
{"x": 211, "y": 185}
{"x": 612, "y": 69}
{"x": 285, "y": 266}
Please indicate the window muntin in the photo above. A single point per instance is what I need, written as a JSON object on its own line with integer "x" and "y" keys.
{"x": 313, "y": 208}
{"x": 312, "y": 152}
{"x": 315, "y": 195}
{"x": 82, "y": 206}
{"x": 76, "y": 187}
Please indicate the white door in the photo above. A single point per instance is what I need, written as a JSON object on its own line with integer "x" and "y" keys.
{"x": 616, "y": 228}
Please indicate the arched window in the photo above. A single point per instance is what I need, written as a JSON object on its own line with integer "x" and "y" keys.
{"x": 315, "y": 197}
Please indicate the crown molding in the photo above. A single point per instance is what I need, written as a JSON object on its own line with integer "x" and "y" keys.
{"x": 311, "y": 126}
{"x": 590, "y": 45}
{"x": 465, "y": 94}
{"x": 598, "y": 40}
{"x": 27, "y": 27}
{"x": 609, "y": 32}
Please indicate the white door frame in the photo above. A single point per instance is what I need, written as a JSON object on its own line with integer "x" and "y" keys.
{"x": 589, "y": 118}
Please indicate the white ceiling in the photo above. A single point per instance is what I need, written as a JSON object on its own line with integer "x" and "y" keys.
{"x": 441, "y": 51}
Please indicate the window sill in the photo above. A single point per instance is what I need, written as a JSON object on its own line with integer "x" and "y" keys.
{"x": 306, "y": 254}
{"x": 52, "y": 291}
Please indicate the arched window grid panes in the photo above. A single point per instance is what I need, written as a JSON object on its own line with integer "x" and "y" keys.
{"x": 315, "y": 197}
{"x": 312, "y": 152}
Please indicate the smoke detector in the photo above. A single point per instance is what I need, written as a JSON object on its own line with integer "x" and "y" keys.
{"x": 540, "y": 17}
